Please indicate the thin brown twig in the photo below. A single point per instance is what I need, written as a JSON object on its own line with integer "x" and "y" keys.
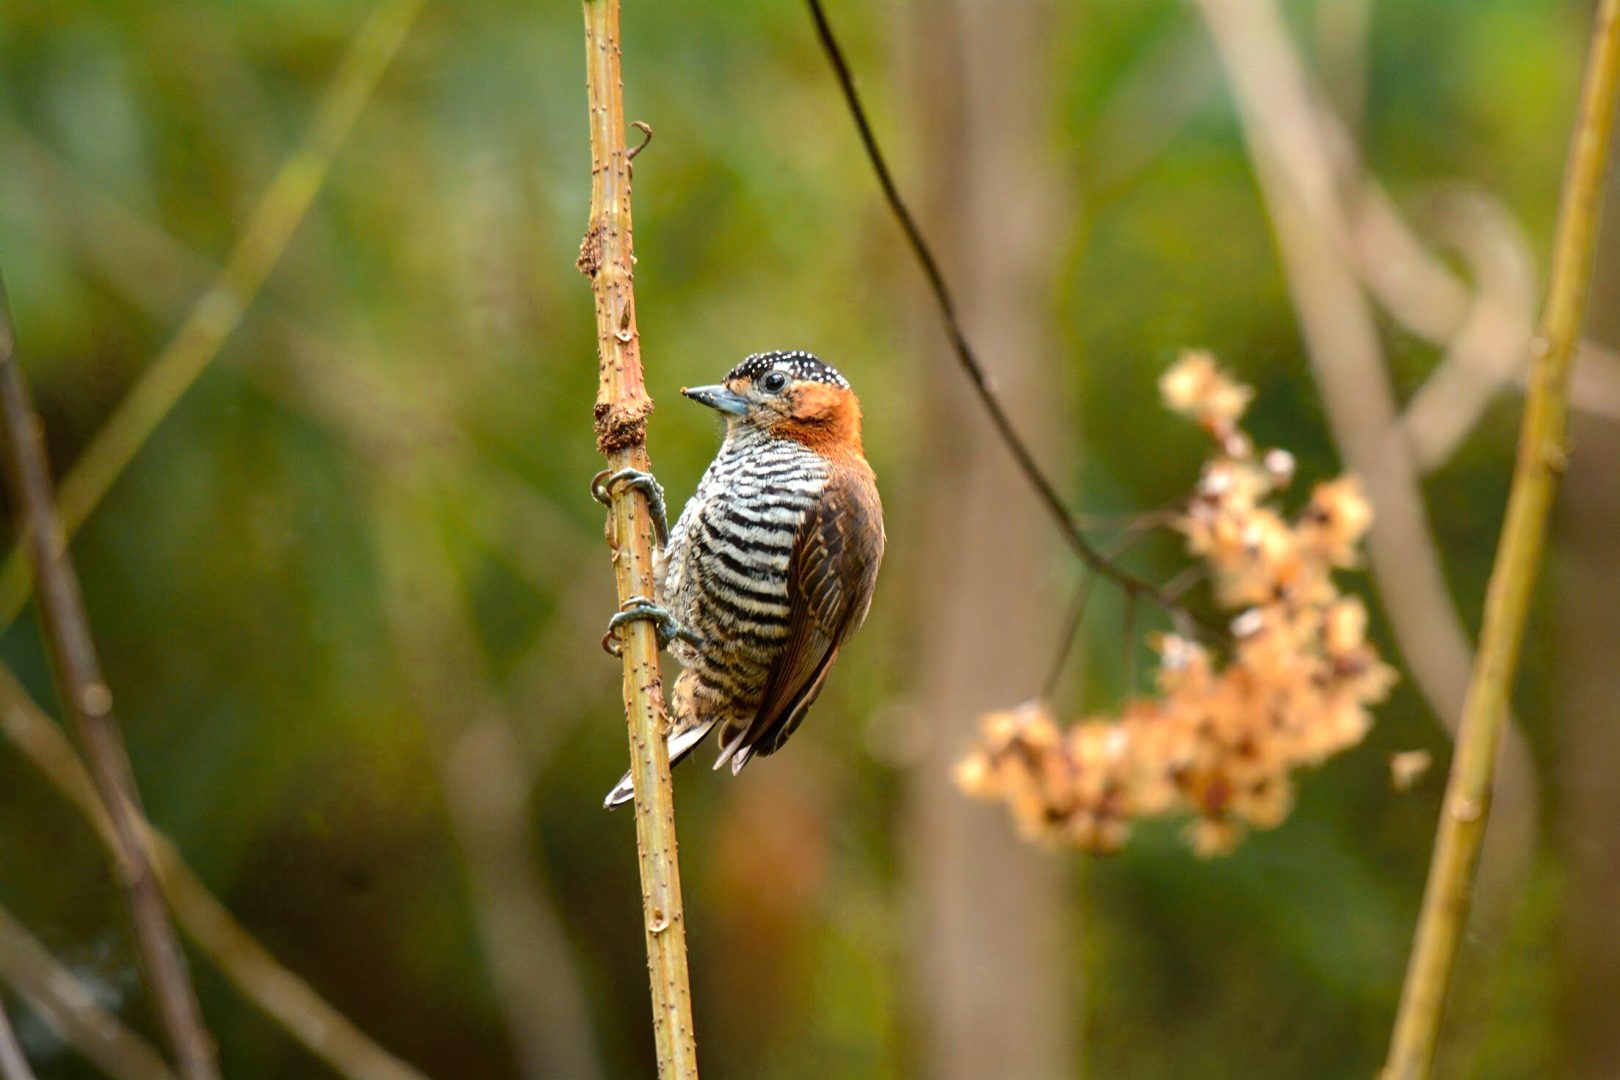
{"x": 13, "y": 1063}
{"x": 57, "y": 997}
{"x": 88, "y": 703}
{"x": 1127, "y": 634}
{"x": 1072, "y": 621}
{"x": 646, "y": 138}
{"x": 279, "y": 993}
{"x": 1093, "y": 558}
{"x": 1186, "y": 579}
{"x": 1542, "y": 456}
{"x": 622, "y": 405}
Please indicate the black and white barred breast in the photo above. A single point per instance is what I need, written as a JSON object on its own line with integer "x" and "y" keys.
{"x": 725, "y": 570}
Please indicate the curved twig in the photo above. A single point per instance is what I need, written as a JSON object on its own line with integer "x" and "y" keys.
{"x": 1421, "y": 293}
{"x": 646, "y": 139}
{"x": 1492, "y": 343}
{"x": 1088, "y": 554}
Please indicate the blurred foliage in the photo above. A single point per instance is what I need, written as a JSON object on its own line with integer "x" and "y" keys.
{"x": 234, "y": 578}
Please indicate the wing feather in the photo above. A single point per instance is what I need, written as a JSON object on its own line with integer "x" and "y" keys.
{"x": 830, "y": 578}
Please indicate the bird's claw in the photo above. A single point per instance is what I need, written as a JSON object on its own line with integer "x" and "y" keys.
{"x": 641, "y": 608}
{"x": 604, "y": 483}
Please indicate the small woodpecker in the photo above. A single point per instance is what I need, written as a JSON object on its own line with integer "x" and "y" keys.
{"x": 771, "y": 565}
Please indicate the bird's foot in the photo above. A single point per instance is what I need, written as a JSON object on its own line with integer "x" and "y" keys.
{"x": 604, "y": 483}
{"x": 641, "y": 608}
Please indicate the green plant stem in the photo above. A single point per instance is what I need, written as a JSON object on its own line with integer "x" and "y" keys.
{"x": 88, "y": 704}
{"x": 621, "y": 412}
{"x": 1541, "y": 458}
{"x": 219, "y": 311}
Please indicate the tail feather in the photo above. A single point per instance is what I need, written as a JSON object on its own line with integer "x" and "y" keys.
{"x": 680, "y": 744}
{"x": 735, "y": 752}
{"x": 731, "y": 747}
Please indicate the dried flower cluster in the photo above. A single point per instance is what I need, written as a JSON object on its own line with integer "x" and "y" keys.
{"x": 1220, "y": 740}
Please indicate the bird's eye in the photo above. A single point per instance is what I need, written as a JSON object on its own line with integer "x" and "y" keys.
{"x": 774, "y": 382}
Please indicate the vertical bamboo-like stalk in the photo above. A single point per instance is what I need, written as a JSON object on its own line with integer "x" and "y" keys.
{"x": 622, "y": 406}
{"x": 1541, "y": 458}
{"x": 88, "y": 703}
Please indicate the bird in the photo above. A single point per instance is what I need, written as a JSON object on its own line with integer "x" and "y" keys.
{"x": 772, "y": 563}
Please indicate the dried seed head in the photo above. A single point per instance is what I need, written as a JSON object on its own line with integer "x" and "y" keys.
{"x": 1222, "y": 737}
{"x": 1195, "y": 386}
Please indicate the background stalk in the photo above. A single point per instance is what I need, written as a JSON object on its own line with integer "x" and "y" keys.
{"x": 1542, "y": 457}
{"x": 88, "y": 704}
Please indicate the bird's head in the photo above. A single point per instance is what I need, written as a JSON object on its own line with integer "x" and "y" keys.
{"x": 788, "y": 395}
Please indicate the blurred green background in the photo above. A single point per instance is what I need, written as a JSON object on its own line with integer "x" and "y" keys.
{"x": 349, "y": 594}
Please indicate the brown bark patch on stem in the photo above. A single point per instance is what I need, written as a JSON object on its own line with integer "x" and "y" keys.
{"x": 621, "y": 426}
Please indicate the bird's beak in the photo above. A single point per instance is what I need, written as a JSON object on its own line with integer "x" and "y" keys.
{"x": 718, "y": 397}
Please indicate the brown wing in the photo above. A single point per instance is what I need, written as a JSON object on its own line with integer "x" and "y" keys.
{"x": 830, "y": 578}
